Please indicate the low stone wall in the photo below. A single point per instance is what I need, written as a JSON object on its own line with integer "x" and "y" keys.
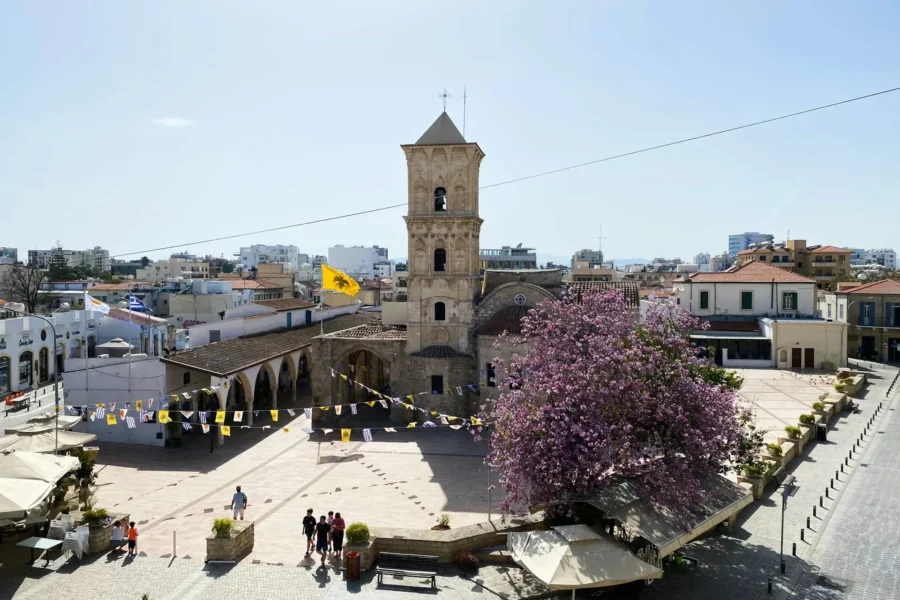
{"x": 234, "y": 547}
{"x": 367, "y": 553}
{"x": 445, "y": 544}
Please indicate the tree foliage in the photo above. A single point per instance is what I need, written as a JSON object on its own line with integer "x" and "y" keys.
{"x": 600, "y": 398}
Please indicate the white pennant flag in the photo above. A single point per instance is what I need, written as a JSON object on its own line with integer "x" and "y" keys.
{"x": 187, "y": 413}
{"x": 123, "y": 412}
{"x": 333, "y": 374}
{"x": 291, "y": 412}
{"x": 390, "y": 430}
{"x": 352, "y": 409}
{"x": 187, "y": 395}
{"x": 383, "y": 403}
{"x": 352, "y": 368}
{"x": 238, "y": 415}
{"x": 112, "y": 406}
{"x": 367, "y": 435}
{"x": 337, "y": 409}
{"x": 444, "y": 420}
{"x": 205, "y": 428}
{"x": 455, "y": 426}
{"x": 327, "y": 431}
{"x": 93, "y": 416}
{"x": 308, "y": 413}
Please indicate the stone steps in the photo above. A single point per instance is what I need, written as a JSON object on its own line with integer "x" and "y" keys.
{"x": 495, "y": 555}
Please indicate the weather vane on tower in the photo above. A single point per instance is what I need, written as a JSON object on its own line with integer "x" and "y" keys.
{"x": 443, "y": 96}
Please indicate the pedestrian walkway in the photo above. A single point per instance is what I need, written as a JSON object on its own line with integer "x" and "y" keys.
{"x": 742, "y": 562}
{"x": 857, "y": 555}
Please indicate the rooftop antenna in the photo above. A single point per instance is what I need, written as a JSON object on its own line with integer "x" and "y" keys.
{"x": 464, "y": 110}
{"x": 443, "y": 96}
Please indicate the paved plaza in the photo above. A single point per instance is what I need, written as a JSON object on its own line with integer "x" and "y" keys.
{"x": 408, "y": 481}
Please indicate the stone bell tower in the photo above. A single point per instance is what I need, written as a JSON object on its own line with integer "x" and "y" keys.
{"x": 443, "y": 229}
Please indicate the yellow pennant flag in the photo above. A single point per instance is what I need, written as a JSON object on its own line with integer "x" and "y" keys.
{"x": 163, "y": 416}
{"x": 345, "y": 435}
{"x": 370, "y": 403}
{"x": 411, "y": 425}
{"x": 332, "y": 279}
{"x": 324, "y": 408}
{"x": 475, "y": 421}
{"x": 226, "y": 430}
{"x": 220, "y": 416}
{"x": 274, "y": 414}
{"x": 286, "y": 430}
{"x": 110, "y": 419}
{"x": 139, "y": 404}
{"x": 411, "y": 398}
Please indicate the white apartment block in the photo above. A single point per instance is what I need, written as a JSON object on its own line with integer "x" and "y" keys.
{"x": 250, "y": 256}
{"x": 358, "y": 261}
{"x": 885, "y": 257}
{"x": 593, "y": 257}
{"x": 172, "y": 268}
{"x": 95, "y": 258}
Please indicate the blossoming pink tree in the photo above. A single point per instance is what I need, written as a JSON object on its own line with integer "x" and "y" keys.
{"x": 600, "y": 398}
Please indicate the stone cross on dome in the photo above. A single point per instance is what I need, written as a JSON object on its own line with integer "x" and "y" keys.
{"x": 443, "y": 96}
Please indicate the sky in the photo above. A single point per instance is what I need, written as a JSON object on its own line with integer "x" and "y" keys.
{"x": 137, "y": 126}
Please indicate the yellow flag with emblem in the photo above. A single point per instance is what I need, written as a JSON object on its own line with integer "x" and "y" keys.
{"x": 332, "y": 279}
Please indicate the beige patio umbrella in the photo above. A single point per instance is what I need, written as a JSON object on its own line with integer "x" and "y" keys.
{"x": 26, "y": 478}
{"x": 46, "y": 441}
{"x": 572, "y": 557}
{"x": 42, "y": 424}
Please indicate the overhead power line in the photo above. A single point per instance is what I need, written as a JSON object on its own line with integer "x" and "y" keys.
{"x": 527, "y": 177}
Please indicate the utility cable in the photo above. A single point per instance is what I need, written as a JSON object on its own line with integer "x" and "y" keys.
{"x": 527, "y": 177}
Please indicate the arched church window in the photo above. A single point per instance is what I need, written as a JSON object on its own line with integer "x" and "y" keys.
{"x": 440, "y": 311}
{"x": 440, "y": 260}
{"x": 440, "y": 200}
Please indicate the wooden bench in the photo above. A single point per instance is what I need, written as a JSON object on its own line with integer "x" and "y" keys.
{"x": 414, "y": 565}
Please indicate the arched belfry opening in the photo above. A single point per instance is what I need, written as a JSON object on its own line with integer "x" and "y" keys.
{"x": 440, "y": 200}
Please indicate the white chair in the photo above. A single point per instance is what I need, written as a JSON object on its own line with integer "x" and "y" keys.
{"x": 68, "y": 522}
{"x": 83, "y": 533}
{"x": 72, "y": 544}
{"x": 57, "y": 531}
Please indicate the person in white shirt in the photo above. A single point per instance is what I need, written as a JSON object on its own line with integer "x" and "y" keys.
{"x": 118, "y": 537}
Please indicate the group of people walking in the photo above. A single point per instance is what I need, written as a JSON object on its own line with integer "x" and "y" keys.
{"x": 328, "y": 532}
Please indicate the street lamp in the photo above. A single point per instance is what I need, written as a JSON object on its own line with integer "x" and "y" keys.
{"x": 55, "y": 372}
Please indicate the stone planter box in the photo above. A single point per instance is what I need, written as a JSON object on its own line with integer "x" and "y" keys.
{"x": 789, "y": 450}
{"x": 836, "y": 401}
{"x": 756, "y": 485}
{"x": 99, "y": 537}
{"x": 234, "y": 547}
{"x": 806, "y": 435}
{"x": 367, "y": 553}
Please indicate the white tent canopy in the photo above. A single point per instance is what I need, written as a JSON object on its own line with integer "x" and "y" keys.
{"x": 46, "y": 441}
{"x": 27, "y": 478}
{"x": 571, "y": 557}
{"x": 42, "y": 424}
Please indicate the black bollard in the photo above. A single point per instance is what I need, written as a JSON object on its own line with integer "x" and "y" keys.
{"x": 832, "y": 481}
{"x": 826, "y": 494}
{"x": 802, "y": 531}
{"x": 814, "y": 512}
{"x": 769, "y": 587}
{"x": 842, "y": 468}
{"x": 794, "y": 549}
{"x": 821, "y": 502}
{"x": 807, "y": 523}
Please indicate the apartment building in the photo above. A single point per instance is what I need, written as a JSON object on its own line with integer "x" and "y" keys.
{"x": 822, "y": 263}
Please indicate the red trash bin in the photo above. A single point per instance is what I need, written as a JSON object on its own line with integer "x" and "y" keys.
{"x": 353, "y": 566}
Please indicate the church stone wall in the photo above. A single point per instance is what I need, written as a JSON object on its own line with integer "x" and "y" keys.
{"x": 487, "y": 352}
{"x": 457, "y": 372}
{"x": 506, "y": 296}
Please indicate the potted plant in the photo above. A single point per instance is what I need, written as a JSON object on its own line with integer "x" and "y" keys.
{"x": 793, "y": 432}
{"x": 223, "y": 527}
{"x": 95, "y": 517}
{"x": 840, "y": 387}
{"x": 359, "y": 541}
{"x": 819, "y": 407}
{"x": 807, "y": 419}
{"x": 443, "y": 522}
{"x": 466, "y": 560}
{"x": 774, "y": 450}
{"x": 754, "y": 471}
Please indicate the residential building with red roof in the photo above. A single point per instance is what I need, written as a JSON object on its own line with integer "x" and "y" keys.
{"x": 872, "y": 312}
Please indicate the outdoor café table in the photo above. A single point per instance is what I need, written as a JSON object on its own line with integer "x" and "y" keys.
{"x": 39, "y": 543}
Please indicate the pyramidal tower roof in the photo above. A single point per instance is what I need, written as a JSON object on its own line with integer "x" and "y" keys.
{"x": 442, "y": 132}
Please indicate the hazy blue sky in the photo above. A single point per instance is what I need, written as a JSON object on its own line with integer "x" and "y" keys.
{"x": 136, "y": 125}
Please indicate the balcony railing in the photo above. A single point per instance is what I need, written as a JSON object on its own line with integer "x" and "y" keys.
{"x": 892, "y": 322}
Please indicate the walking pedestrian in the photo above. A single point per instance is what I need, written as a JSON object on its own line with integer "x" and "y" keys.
{"x": 309, "y": 528}
{"x": 132, "y": 540}
{"x": 323, "y": 529}
{"x": 239, "y": 503}
{"x": 337, "y": 534}
{"x": 330, "y": 521}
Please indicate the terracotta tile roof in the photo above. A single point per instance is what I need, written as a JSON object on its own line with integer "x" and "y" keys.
{"x": 844, "y": 286}
{"x": 282, "y": 304}
{"x": 631, "y": 289}
{"x": 110, "y": 287}
{"x": 508, "y": 319}
{"x": 764, "y": 249}
{"x": 236, "y": 354}
{"x": 252, "y": 284}
{"x": 751, "y": 272}
{"x": 441, "y": 351}
{"x": 885, "y": 286}
{"x": 120, "y": 314}
{"x": 828, "y": 249}
{"x": 375, "y": 331}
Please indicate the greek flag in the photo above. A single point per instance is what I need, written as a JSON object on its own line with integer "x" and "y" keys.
{"x": 353, "y": 409}
{"x": 136, "y": 305}
{"x": 367, "y": 435}
{"x": 163, "y": 404}
{"x": 203, "y": 416}
{"x": 428, "y": 424}
{"x": 101, "y": 412}
{"x": 187, "y": 426}
{"x": 130, "y": 422}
